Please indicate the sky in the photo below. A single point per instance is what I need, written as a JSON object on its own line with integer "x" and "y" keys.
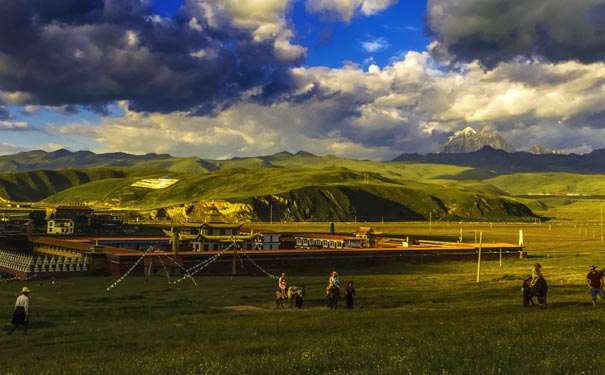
{"x": 359, "y": 79}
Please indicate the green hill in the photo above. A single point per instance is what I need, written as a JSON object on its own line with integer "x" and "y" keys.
{"x": 284, "y": 186}
{"x": 38, "y": 185}
{"x": 309, "y": 194}
{"x": 551, "y": 184}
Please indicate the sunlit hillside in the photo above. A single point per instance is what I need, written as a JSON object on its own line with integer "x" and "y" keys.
{"x": 304, "y": 187}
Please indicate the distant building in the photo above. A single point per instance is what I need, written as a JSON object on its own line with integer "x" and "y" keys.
{"x": 327, "y": 241}
{"x": 107, "y": 221}
{"x": 80, "y": 214}
{"x": 368, "y": 235}
{"x": 269, "y": 239}
{"x": 216, "y": 235}
{"x": 60, "y": 226}
{"x": 68, "y": 212}
{"x": 287, "y": 241}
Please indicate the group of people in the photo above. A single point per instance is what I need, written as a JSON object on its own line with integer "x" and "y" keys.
{"x": 595, "y": 279}
{"x": 333, "y": 281}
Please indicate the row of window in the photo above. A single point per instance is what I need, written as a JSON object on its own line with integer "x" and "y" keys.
{"x": 304, "y": 242}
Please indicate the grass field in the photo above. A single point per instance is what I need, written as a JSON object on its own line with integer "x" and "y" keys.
{"x": 408, "y": 319}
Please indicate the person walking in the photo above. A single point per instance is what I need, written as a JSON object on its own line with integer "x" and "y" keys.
{"x": 595, "y": 282}
{"x": 21, "y": 314}
{"x": 350, "y": 293}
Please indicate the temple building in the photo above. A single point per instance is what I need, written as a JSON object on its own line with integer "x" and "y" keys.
{"x": 217, "y": 235}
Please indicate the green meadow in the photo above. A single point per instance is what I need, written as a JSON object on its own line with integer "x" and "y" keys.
{"x": 434, "y": 318}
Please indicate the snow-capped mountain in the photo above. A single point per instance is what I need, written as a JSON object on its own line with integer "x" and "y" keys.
{"x": 469, "y": 140}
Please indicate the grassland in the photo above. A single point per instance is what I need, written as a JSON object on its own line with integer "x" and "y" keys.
{"x": 409, "y": 319}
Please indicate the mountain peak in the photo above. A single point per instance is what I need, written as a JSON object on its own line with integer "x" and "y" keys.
{"x": 469, "y": 140}
{"x": 466, "y": 131}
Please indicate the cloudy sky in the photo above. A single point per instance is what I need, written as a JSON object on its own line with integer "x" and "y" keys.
{"x": 363, "y": 79}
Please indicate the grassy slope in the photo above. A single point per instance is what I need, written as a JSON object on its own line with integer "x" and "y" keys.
{"x": 418, "y": 319}
{"x": 179, "y": 165}
{"x": 550, "y": 183}
{"x": 37, "y": 185}
{"x": 285, "y": 174}
{"x": 334, "y": 193}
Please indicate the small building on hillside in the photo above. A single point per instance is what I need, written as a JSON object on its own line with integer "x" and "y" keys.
{"x": 327, "y": 241}
{"x": 60, "y": 226}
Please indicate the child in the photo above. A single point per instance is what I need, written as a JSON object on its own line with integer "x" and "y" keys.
{"x": 281, "y": 284}
{"x": 333, "y": 281}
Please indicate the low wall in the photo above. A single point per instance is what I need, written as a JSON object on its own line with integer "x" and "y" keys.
{"x": 254, "y": 262}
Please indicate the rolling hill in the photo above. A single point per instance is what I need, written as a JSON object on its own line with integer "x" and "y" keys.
{"x": 305, "y": 187}
{"x": 284, "y": 187}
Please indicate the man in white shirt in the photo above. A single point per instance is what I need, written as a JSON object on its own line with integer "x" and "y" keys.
{"x": 21, "y": 314}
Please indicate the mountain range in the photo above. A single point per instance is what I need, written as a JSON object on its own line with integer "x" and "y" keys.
{"x": 281, "y": 187}
{"x": 452, "y": 184}
{"x": 506, "y": 162}
{"x": 488, "y": 158}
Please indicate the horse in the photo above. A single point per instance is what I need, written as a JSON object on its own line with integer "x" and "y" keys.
{"x": 333, "y": 296}
{"x": 539, "y": 290}
{"x": 294, "y": 294}
{"x": 279, "y": 300}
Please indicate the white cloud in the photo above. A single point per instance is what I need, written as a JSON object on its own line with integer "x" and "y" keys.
{"x": 348, "y": 9}
{"x": 375, "y": 45}
{"x": 408, "y": 106}
{"x": 194, "y": 24}
{"x": 265, "y": 20}
{"x": 13, "y": 125}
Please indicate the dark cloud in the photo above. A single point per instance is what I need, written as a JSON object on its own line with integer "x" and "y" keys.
{"x": 100, "y": 109}
{"x": 493, "y": 31}
{"x": 93, "y": 52}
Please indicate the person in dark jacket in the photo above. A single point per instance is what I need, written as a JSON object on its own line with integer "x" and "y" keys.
{"x": 595, "y": 282}
{"x": 350, "y": 293}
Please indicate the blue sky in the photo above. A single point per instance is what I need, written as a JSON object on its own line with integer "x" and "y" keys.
{"x": 367, "y": 79}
